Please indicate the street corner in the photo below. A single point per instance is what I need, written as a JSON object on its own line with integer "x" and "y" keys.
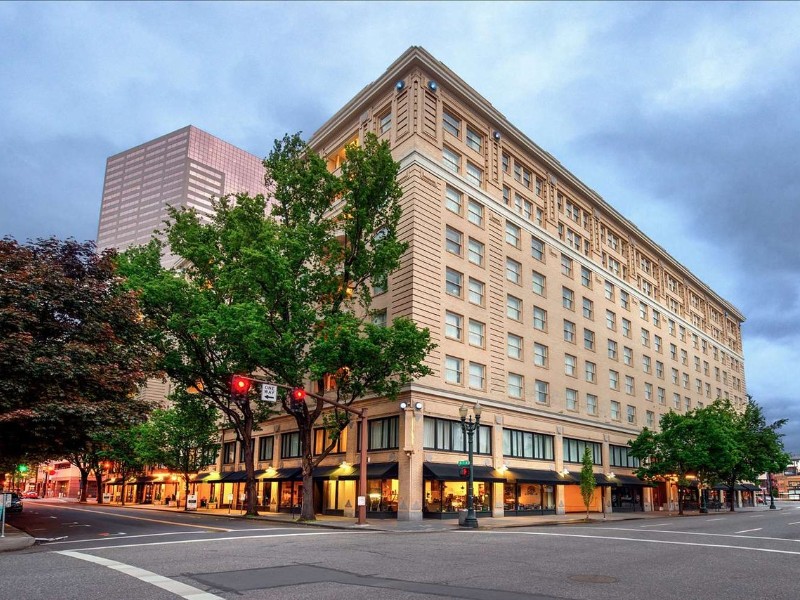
{"x": 14, "y": 539}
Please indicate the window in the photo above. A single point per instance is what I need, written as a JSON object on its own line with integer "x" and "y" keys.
{"x": 514, "y": 308}
{"x": 443, "y": 434}
{"x": 656, "y": 318}
{"x": 588, "y": 339}
{"x": 453, "y": 200}
{"x": 619, "y": 457}
{"x": 453, "y": 369}
{"x": 612, "y": 349}
{"x": 477, "y": 376}
{"x": 569, "y": 331}
{"x": 673, "y": 352}
{"x": 505, "y": 162}
{"x": 513, "y": 234}
{"x": 662, "y": 396}
{"x": 513, "y": 271}
{"x": 651, "y": 418}
{"x": 676, "y": 400}
{"x": 524, "y": 444}
{"x": 454, "y": 281}
{"x": 586, "y": 277}
{"x": 643, "y": 310}
{"x": 477, "y": 335}
{"x": 537, "y": 249}
{"x": 475, "y": 252}
{"x": 379, "y": 318}
{"x": 379, "y": 286}
{"x": 659, "y": 369}
{"x": 591, "y": 370}
{"x": 566, "y": 265}
{"x": 615, "y": 411}
{"x": 385, "y": 123}
{"x": 609, "y": 291}
{"x": 629, "y": 385}
{"x": 453, "y": 325}
{"x": 611, "y": 320}
{"x": 474, "y": 139}
{"x": 567, "y": 298}
{"x": 624, "y": 300}
{"x": 648, "y": 391}
{"x": 475, "y": 212}
{"x": 646, "y": 363}
{"x": 454, "y": 240}
{"x": 539, "y": 283}
{"x": 474, "y": 174}
{"x": 542, "y": 391}
{"x": 266, "y": 447}
{"x": 626, "y": 327}
{"x": 573, "y": 451}
{"x": 291, "y": 445}
{"x": 476, "y": 291}
{"x": 570, "y": 365}
{"x": 539, "y": 318}
{"x": 514, "y": 385}
{"x": 228, "y": 453}
{"x": 682, "y": 333}
{"x": 383, "y": 433}
{"x": 613, "y": 380}
{"x": 687, "y": 404}
{"x": 451, "y": 124}
{"x": 452, "y": 160}
{"x": 627, "y": 355}
{"x": 684, "y": 357}
{"x": 572, "y": 399}
{"x": 685, "y": 380}
{"x": 323, "y": 439}
{"x": 657, "y": 343}
{"x": 514, "y": 346}
{"x": 588, "y": 309}
{"x": 252, "y": 449}
{"x": 539, "y": 355}
{"x": 591, "y": 404}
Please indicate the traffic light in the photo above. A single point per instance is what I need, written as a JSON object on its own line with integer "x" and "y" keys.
{"x": 22, "y": 469}
{"x": 297, "y": 397}
{"x": 240, "y": 385}
{"x": 463, "y": 472}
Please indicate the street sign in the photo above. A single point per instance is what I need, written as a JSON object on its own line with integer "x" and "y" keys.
{"x": 463, "y": 463}
{"x": 269, "y": 393}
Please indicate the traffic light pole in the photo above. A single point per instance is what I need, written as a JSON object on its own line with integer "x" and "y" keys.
{"x": 362, "y": 415}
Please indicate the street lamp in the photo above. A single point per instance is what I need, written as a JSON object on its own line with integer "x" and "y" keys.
{"x": 771, "y": 495}
{"x": 469, "y": 427}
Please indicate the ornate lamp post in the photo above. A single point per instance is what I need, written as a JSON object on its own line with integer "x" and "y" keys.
{"x": 771, "y": 495}
{"x": 469, "y": 427}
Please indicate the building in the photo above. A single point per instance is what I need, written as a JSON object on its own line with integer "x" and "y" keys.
{"x": 566, "y": 322}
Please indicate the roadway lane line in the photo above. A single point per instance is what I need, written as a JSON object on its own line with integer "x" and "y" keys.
{"x": 749, "y": 530}
{"x": 215, "y": 539}
{"x": 654, "y": 525}
{"x": 103, "y": 512}
{"x": 623, "y": 539}
{"x": 795, "y": 523}
{"x": 122, "y": 536}
{"x": 672, "y": 531}
{"x": 165, "y": 583}
{"x": 716, "y": 519}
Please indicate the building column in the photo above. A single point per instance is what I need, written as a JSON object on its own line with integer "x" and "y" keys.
{"x": 498, "y": 489}
{"x": 605, "y": 458}
{"x": 558, "y": 456}
{"x": 409, "y": 462}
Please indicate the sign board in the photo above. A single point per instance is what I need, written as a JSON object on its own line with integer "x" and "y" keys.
{"x": 463, "y": 463}
{"x": 106, "y": 497}
{"x": 362, "y": 501}
{"x": 191, "y": 502}
{"x": 6, "y": 500}
{"x": 269, "y": 393}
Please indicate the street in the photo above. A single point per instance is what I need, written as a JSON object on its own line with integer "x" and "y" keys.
{"x": 114, "y": 552}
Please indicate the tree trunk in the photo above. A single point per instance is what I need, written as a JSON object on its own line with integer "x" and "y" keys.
{"x": 122, "y": 493}
{"x": 185, "y": 492}
{"x": 732, "y": 495}
{"x": 98, "y": 475}
{"x": 307, "y": 510}
{"x": 249, "y": 466}
{"x": 84, "y": 484}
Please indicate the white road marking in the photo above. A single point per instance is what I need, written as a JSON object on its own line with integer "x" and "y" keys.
{"x": 716, "y": 519}
{"x": 623, "y": 539}
{"x": 143, "y": 535}
{"x": 216, "y": 539}
{"x": 103, "y": 512}
{"x": 795, "y": 523}
{"x": 749, "y": 530}
{"x": 654, "y": 525}
{"x": 165, "y": 583}
{"x": 749, "y": 537}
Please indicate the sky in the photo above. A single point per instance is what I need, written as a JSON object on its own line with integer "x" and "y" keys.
{"x": 683, "y": 116}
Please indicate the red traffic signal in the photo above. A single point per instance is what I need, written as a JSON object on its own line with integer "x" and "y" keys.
{"x": 297, "y": 395}
{"x": 464, "y": 472}
{"x": 240, "y": 385}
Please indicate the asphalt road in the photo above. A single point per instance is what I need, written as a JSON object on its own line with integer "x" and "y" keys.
{"x": 117, "y": 553}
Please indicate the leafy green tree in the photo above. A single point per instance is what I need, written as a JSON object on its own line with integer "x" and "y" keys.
{"x": 72, "y": 345}
{"x": 183, "y": 438}
{"x": 283, "y": 290}
{"x": 588, "y": 481}
{"x": 120, "y": 449}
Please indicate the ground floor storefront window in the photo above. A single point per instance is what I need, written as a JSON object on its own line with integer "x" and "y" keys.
{"x": 529, "y": 499}
{"x": 573, "y": 500}
{"x": 445, "y": 498}
{"x": 627, "y": 498}
{"x": 382, "y": 497}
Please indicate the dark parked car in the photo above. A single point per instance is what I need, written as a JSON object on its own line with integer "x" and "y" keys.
{"x": 16, "y": 503}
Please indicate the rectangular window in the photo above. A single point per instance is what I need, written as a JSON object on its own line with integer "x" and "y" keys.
{"x": 573, "y": 451}
{"x": 525, "y": 444}
{"x": 657, "y": 343}
{"x": 646, "y": 364}
{"x": 454, "y": 240}
{"x": 570, "y": 365}
{"x": 539, "y": 283}
{"x": 626, "y": 327}
{"x": 586, "y": 277}
{"x": 266, "y": 446}
{"x": 537, "y": 249}
{"x": 627, "y": 355}
{"x": 567, "y": 298}
{"x": 619, "y": 457}
{"x": 474, "y": 174}
{"x": 513, "y": 308}
{"x": 611, "y": 320}
{"x": 476, "y": 291}
{"x": 453, "y": 369}
{"x": 539, "y": 318}
{"x": 385, "y": 123}
{"x": 566, "y": 265}
{"x": 629, "y": 385}
{"x": 515, "y": 385}
{"x": 452, "y": 160}
{"x": 475, "y": 212}
{"x": 591, "y": 404}
{"x": 322, "y": 439}
{"x": 542, "y": 391}
{"x": 651, "y": 418}
{"x": 228, "y": 453}
{"x": 514, "y": 346}
{"x": 453, "y": 200}
{"x": 453, "y": 325}
{"x": 513, "y": 271}
{"x": 588, "y": 339}
{"x": 443, "y": 434}
{"x": 613, "y": 380}
{"x": 609, "y": 291}
{"x": 612, "y": 349}
{"x": 506, "y": 159}
{"x": 379, "y": 318}
{"x": 291, "y": 446}
{"x": 382, "y": 433}
{"x": 477, "y": 333}
{"x": 474, "y": 139}
{"x": 662, "y": 396}
{"x": 591, "y": 371}
{"x": 615, "y": 411}
{"x": 513, "y": 234}
{"x": 477, "y": 376}
{"x": 569, "y": 331}
{"x": 539, "y": 355}
{"x": 475, "y": 252}
{"x": 624, "y": 300}
{"x": 572, "y": 399}
{"x": 454, "y": 282}
{"x": 451, "y": 124}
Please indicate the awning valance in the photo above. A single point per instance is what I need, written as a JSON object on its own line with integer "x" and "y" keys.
{"x": 283, "y": 474}
{"x": 447, "y": 471}
{"x": 538, "y": 476}
{"x": 374, "y": 471}
{"x": 207, "y": 477}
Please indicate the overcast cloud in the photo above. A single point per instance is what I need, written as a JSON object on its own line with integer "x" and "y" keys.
{"x": 685, "y": 117}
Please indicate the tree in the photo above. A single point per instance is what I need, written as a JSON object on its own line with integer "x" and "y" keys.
{"x": 283, "y": 291}
{"x": 72, "y": 347}
{"x": 588, "y": 482}
{"x": 119, "y": 448}
{"x": 183, "y": 438}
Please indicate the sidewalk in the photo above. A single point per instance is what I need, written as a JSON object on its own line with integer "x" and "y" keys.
{"x": 17, "y": 540}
